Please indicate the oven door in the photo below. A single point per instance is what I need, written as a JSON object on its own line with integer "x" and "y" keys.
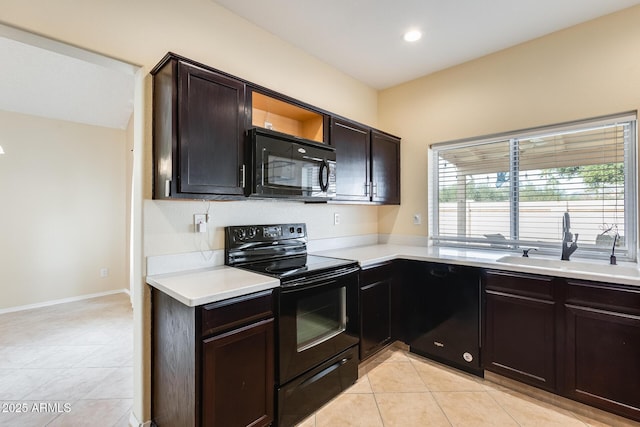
{"x": 286, "y": 168}
{"x": 317, "y": 321}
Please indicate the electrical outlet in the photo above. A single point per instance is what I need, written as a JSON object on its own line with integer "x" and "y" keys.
{"x": 417, "y": 219}
{"x": 336, "y": 219}
{"x": 200, "y": 223}
{"x": 104, "y": 272}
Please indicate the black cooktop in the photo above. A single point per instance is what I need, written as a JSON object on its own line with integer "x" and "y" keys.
{"x": 297, "y": 266}
{"x": 278, "y": 250}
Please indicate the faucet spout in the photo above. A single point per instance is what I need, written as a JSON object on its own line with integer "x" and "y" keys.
{"x": 569, "y": 245}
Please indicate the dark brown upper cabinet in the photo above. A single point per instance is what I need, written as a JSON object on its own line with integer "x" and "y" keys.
{"x": 368, "y": 163}
{"x": 198, "y": 131}
{"x": 200, "y": 121}
{"x": 385, "y": 168}
{"x": 353, "y": 151}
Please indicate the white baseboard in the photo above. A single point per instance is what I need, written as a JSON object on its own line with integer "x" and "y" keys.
{"x": 61, "y": 301}
{"x": 133, "y": 422}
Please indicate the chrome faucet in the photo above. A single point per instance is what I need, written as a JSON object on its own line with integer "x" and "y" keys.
{"x": 569, "y": 245}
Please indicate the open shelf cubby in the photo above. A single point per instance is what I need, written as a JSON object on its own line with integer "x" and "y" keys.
{"x": 281, "y": 116}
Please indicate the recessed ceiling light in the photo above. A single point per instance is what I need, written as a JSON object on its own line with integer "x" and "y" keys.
{"x": 412, "y": 35}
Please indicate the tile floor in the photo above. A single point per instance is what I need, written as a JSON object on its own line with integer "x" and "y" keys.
{"x": 398, "y": 388}
{"x": 71, "y": 365}
{"x": 68, "y": 365}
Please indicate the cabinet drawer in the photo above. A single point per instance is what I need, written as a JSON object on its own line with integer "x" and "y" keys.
{"x": 520, "y": 284}
{"x": 235, "y": 312}
{"x": 377, "y": 273}
{"x": 603, "y": 296}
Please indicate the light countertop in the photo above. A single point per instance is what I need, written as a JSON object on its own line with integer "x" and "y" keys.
{"x": 597, "y": 270}
{"x": 203, "y": 286}
{"x": 208, "y": 285}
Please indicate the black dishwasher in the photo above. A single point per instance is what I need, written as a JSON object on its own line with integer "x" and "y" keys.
{"x": 443, "y": 320}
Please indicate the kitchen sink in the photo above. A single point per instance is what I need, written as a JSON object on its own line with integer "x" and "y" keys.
{"x": 592, "y": 267}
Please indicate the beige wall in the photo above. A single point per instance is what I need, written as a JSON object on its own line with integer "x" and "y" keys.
{"x": 589, "y": 70}
{"x": 62, "y": 215}
{"x": 565, "y": 76}
{"x": 141, "y": 32}
{"x": 168, "y": 226}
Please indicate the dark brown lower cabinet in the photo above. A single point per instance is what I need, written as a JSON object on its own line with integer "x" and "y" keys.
{"x": 520, "y": 334}
{"x": 213, "y": 365}
{"x": 578, "y": 339}
{"x": 376, "y": 300}
{"x": 237, "y": 377}
{"x": 602, "y": 353}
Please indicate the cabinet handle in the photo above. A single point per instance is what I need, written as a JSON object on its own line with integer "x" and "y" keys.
{"x": 366, "y": 188}
{"x": 374, "y": 191}
{"x": 167, "y": 188}
{"x": 242, "y": 176}
{"x": 353, "y": 129}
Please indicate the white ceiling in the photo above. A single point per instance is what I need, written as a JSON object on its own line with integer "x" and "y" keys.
{"x": 363, "y": 38}
{"x": 45, "y": 78}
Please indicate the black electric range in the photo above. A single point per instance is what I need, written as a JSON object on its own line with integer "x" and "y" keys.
{"x": 316, "y": 314}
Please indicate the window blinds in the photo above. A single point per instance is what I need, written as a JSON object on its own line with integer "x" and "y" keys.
{"x": 511, "y": 191}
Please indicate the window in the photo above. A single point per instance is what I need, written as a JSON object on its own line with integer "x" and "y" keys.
{"x": 511, "y": 191}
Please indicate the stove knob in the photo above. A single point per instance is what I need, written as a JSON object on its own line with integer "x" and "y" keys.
{"x": 299, "y": 230}
{"x": 240, "y": 233}
{"x": 252, "y": 232}
{"x": 292, "y": 230}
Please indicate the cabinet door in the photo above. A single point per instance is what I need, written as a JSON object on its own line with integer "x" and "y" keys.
{"x": 238, "y": 377}
{"x": 603, "y": 347}
{"x": 603, "y": 355}
{"x": 351, "y": 142}
{"x": 211, "y": 126}
{"x": 385, "y": 168}
{"x": 375, "y": 323}
{"x": 520, "y": 338}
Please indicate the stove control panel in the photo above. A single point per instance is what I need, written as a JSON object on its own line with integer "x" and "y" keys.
{"x": 251, "y": 243}
{"x": 272, "y": 231}
{"x": 266, "y": 233}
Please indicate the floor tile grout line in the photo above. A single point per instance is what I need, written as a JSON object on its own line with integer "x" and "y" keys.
{"x": 538, "y": 402}
{"x": 442, "y": 409}
{"x": 105, "y": 336}
{"x": 504, "y": 409}
{"x": 375, "y": 399}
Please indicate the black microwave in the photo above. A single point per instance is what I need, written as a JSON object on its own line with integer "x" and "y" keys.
{"x": 283, "y": 166}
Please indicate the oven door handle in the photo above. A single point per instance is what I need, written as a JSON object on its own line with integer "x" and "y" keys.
{"x": 319, "y": 280}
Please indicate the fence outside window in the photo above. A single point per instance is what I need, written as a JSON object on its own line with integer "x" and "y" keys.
{"x": 510, "y": 191}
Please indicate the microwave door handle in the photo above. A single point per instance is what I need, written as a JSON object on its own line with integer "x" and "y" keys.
{"x": 324, "y": 176}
